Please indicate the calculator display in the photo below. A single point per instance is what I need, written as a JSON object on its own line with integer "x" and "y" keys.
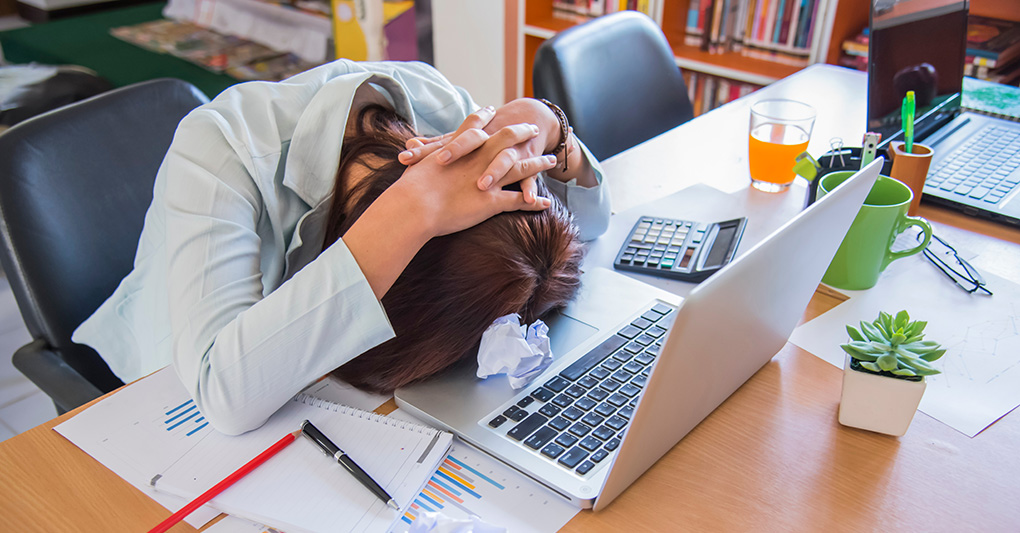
{"x": 721, "y": 246}
{"x": 679, "y": 249}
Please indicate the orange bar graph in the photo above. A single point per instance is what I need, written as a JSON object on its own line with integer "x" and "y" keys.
{"x": 448, "y": 494}
{"x": 432, "y": 495}
{"x": 457, "y": 477}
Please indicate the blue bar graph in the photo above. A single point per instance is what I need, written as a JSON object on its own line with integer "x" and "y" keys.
{"x": 454, "y": 484}
{"x": 187, "y": 417}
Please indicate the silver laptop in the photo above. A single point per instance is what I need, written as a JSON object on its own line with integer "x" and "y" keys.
{"x": 921, "y": 45}
{"x": 636, "y": 368}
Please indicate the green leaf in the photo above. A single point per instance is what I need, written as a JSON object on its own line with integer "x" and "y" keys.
{"x": 884, "y": 323}
{"x": 921, "y": 347}
{"x": 918, "y": 327}
{"x": 872, "y": 332}
{"x": 887, "y": 362}
{"x": 880, "y": 347}
{"x": 913, "y": 339}
{"x": 857, "y": 353}
{"x": 897, "y": 338}
{"x": 904, "y": 372}
{"x": 902, "y": 319}
{"x": 919, "y": 365}
{"x": 933, "y": 355}
{"x": 870, "y": 366}
{"x": 854, "y": 334}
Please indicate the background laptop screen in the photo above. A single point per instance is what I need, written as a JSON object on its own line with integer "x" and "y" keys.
{"x": 916, "y": 45}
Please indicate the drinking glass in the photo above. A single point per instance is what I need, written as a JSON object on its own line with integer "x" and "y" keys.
{"x": 780, "y": 130}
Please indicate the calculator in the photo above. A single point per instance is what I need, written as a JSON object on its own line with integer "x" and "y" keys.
{"x": 680, "y": 249}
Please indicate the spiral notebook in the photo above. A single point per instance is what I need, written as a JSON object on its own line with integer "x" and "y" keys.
{"x": 300, "y": 489}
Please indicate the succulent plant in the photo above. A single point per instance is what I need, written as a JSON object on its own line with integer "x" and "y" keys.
{"x": 894, "y": 346}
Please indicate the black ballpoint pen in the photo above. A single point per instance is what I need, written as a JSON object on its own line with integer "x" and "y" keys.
{"x": 341, "y": 457}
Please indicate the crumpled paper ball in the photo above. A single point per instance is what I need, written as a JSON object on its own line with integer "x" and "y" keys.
{"x": 520, "y": 352}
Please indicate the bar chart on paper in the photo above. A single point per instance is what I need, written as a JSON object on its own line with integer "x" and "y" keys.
{"x": 469, "y": 482}
{"x": 185, "y": 419}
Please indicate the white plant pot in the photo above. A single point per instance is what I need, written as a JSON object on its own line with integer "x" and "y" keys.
{"x": 878, "y": 403}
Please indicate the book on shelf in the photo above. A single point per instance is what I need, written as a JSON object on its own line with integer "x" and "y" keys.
{"x": 775, "y": 30}
{"x": 708, "y": 92}
{"x": 581, "y": 11}
{"x": 992, "y": 42}
{"x": 855, "y": 51}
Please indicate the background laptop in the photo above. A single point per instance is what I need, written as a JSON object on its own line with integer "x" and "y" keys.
{"x": 920, "y": 45}
{"x": 635, "y": 373}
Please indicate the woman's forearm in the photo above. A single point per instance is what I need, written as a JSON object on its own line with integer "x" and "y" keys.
{"x": 578, "y": 166}
{"x": 385, "y": 238}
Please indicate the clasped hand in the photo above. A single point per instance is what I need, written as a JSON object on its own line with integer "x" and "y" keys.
{"x": 458, "y": 178}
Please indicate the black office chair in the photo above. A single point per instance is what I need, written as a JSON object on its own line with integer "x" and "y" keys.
{"x": 616, "y": 79}
{"x": 75, "y": 183}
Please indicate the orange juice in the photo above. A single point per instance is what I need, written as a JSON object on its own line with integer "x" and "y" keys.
{"x": 773, "y": 151}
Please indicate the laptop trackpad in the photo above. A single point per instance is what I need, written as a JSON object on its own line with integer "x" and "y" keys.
{"x": 565, "y": 332}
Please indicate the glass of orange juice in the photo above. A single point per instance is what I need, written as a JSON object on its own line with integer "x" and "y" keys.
{"x": 780, "y": 130}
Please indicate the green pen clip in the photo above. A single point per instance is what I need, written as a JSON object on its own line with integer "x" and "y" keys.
{"x": 806, "y": 166}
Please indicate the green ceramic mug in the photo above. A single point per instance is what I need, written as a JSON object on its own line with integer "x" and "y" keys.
{"x": 866, "y": 249}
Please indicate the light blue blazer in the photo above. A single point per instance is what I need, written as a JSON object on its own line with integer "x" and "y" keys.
{"x": 228, "y": 282}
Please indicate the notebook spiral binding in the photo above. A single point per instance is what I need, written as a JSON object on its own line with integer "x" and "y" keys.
{"x": 361, "y": 413}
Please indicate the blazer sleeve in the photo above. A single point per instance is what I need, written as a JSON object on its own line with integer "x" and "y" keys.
{"x": 240, "y": 353}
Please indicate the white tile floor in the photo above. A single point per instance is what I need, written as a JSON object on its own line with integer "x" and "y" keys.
{"x": 22, "y": 405}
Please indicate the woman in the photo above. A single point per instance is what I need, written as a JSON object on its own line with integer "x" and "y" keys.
{"x": 230, "y": 281}
{"x": 524, "y": 262}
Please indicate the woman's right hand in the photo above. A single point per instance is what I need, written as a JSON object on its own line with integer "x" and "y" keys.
{"x": 445, "y": 196}
{"x": 432, "y": 199}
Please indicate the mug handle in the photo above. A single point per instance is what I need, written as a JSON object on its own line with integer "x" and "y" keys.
{"x": 904, "y": 224}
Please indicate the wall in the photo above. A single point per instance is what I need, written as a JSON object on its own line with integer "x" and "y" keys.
{"x": 469, "y": 39}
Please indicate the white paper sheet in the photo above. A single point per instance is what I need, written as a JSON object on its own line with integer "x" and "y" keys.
{"x": 500, "y": 496}
{"x": 980, "y": 380}
{"x": 90, "y": 429}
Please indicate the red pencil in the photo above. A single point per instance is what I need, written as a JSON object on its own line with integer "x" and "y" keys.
{"x": 228, "y": 481}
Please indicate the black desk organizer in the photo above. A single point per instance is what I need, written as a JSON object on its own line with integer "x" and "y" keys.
{"x": 851, "y": 160}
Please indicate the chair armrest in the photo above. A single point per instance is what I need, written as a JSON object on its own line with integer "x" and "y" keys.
{"x": 63, "y": 384}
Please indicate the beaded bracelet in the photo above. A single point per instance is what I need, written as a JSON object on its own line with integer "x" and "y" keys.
{"x": 564, "y": 145}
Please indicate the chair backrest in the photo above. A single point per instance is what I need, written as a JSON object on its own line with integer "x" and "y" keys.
{"x": 616, "y": 79}
{"x": 75, "y": 184}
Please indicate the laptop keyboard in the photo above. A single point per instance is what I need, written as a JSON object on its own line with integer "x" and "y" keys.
{"x": 576, "y": 419}
{"x": 982, "y": 169}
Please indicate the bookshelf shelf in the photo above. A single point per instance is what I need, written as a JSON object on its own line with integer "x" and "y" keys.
{"x": 846, "y": 18}
{"x": 546, "y": 26}
{"x": 731, "y": 65}
{"x": 539, "y": 24}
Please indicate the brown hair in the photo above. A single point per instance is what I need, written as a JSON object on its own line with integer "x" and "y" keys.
{"x": 456, "y": 285}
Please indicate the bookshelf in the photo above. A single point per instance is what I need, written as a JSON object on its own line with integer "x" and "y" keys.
{"x": 844, "y": 20}
{"x": 540, "y": 24}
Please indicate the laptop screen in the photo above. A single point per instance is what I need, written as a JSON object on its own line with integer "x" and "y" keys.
{"x": 920, "y": 46}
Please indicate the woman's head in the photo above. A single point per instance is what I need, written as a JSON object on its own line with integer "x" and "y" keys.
{"x": 457, "y": 285}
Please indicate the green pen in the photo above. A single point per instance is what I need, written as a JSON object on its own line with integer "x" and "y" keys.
{"x": 907, "y": 112}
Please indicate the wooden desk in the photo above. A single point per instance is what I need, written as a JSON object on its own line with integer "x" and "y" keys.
{"x": 771, "y": 458}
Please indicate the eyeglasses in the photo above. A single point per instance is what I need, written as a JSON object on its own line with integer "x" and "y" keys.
{"x": 956, "y": 268}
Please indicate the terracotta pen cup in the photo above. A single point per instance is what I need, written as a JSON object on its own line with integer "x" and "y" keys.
{"x": 911, "y": 169}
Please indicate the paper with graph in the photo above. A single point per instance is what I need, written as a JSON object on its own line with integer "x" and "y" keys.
{"x": 155, "y": 427}
{"x": 980, "y": 379}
